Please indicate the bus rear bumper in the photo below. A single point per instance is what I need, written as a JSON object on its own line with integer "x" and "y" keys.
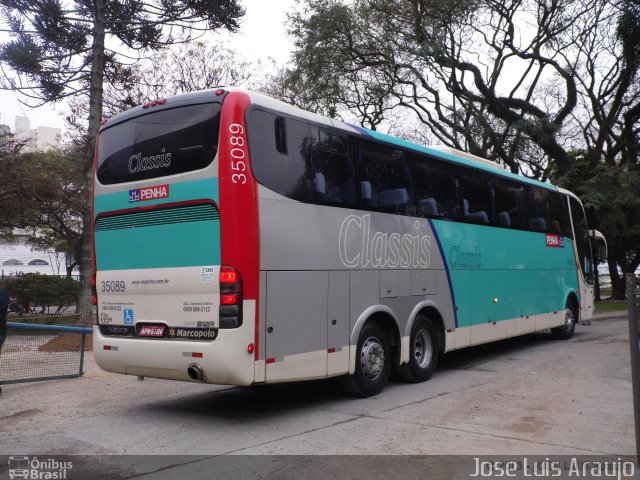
{"x": 225, "y": 361}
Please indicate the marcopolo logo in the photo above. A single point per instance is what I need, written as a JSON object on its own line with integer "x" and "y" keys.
{"x": 193, "y": 333}
{"x": 360, "y": 246}
{"x": 37, "y": 469}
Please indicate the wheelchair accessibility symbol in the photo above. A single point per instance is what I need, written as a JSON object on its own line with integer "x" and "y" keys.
{"x": 128, "y": 316}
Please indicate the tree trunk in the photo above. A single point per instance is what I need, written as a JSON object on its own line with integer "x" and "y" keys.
{"x": 618, "y": 284}
{"x": 596, "y": 283}
{"x": 95, "y": 116}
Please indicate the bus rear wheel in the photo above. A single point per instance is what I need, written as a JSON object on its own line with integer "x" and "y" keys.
{"x": 568, "y": 327}
{"x": 424, "y": 351}
{"x": 373, "y": 363}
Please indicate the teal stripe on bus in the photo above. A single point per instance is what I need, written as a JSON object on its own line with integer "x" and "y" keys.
{"x": 178, "y": 192}
{"x": 500, "y": 274}
{"x": 181, "y": 236}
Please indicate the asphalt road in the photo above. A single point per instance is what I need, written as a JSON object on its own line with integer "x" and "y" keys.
{"x": 526, "y": 396}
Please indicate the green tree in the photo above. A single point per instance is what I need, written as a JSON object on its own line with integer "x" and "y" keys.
{"x": 467, "y": 70}
{"x": 68, "y": 48}
{"x": 43, "y": 291}
{"x": 43, "y": 192}
{"x": 521, "y": 82}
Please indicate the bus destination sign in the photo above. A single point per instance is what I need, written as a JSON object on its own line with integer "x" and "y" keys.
{"x": 148, "y": 193}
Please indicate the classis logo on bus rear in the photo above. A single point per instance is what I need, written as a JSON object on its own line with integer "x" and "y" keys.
{"x": 148, "y": 193}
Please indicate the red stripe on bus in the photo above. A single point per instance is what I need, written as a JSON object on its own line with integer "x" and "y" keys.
{"x": 239, "y": 225}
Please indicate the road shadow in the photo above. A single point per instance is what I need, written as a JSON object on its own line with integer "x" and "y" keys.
{"x": 252, "y": 404}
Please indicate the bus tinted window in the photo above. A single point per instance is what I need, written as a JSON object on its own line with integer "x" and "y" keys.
{"x": 559, "y": 215}
{"x": 547, "y": 212}
{"x": 385, "y": 178}
{"x": 334, "y": 174}
{"x": 582, "y": 239}
{"x": 435, "y": 189}
{"x": 538, "y": 209}
{"x": 161, "y": 143}
{"x": 476, "y": 197}
{"x": 509, "y": 201}
{"x": 285, "y": 169}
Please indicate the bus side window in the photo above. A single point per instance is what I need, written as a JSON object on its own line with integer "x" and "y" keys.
{"x": 385, "y": 178}
{"x": 333, "y": 170}
{"x": 537, "y": 209}
{"x": 508, "y": 203}
{"x": 476, "y": 197}
{"x": 434, "y": 189}
{"x": 283, "y": 168}
{"x": 559, "y": 215}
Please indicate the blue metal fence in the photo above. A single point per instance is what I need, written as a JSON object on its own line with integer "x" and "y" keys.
{"x": 34, "y": 352}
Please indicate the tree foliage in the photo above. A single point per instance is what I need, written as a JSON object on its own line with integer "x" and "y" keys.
{"x": 68, "y": 48}
{"x": 521, "y": 82}
{"x": 43, "y": 192}
{"x": 42, "y": 290}
{"x": 466, "y": 69}
{"x": 185, "y": 68}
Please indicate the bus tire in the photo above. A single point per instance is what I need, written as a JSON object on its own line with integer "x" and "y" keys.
{"x": 567, "y": 329}
{"x": 373, "y": 363}
{"x": 424, "y": 352}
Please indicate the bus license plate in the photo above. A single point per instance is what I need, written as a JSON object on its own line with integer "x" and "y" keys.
{"x": 151, "y": 331}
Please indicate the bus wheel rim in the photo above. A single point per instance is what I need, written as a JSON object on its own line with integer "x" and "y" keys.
{"x": 422, "y": 348}
{"x": 568, "y": 319}
{"x": 372, "y": 358}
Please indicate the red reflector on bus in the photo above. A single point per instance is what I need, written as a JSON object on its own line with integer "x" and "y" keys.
{"x": 229, "y": 299}
{"x": 250, "y": 348}
{"x": 110, "y": 347}
{"x": 94, "y": 300}
{"x": 219, "y": 92}
{"x": 146, "y": 105}
{"x": 154, "y": 103}
{"x": 162, "y": 101}
{"x": 271, "y": 360}
{"x": 331, "y": 350}
{"x": 196, "y": 354}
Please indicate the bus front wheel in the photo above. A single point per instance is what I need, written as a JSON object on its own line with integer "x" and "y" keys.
{"x": 568, "y": 327}
{"x": 423, "y": 355}
{"x": 373, "y": 363}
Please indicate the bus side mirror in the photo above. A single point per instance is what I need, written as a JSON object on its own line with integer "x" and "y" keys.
{"x": 599, "y": 245}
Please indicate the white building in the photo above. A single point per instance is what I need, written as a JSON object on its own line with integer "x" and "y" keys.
{"x": 18, "y": 256}
{"x": 37, "y": 139}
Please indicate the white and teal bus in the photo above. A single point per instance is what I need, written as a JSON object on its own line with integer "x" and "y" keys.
{"x": 239, "y": 240}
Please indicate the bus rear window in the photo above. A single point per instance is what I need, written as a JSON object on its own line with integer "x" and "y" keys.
{"x": 158, "y": 144}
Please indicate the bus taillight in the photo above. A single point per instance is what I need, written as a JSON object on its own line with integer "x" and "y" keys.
{"x": 230, "y": 297}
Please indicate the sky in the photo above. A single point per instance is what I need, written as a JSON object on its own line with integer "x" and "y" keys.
{"x": 262, "y": 34}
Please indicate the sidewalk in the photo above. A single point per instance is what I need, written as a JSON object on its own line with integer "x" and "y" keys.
{"x": 611, "y": 314}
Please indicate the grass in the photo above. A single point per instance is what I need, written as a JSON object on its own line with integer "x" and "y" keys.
{"x": 611, "y": 306}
